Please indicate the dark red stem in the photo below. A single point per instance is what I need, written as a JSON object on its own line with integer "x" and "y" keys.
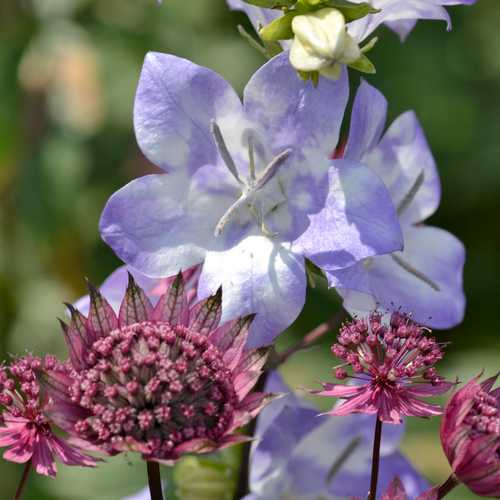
{"x": 447, "y": 486}
{"x": 24, "y": 480}
{"x": 377, "y": 438}
{"x": 154, "y": 479}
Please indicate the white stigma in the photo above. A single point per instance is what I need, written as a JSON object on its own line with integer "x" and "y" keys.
{"x": 250, "y": 186}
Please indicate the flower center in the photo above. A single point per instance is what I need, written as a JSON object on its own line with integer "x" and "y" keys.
{"x": 151, "y": 387}
{"x": 251, "y": 186}
{"x": 388, "y": 355}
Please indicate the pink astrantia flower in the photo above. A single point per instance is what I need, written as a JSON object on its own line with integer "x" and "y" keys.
{"x": 161, "y": 380}
{"x": 394, "y": 365}
{"x": 470, "y": 435}
{"x": 26, "y": 425}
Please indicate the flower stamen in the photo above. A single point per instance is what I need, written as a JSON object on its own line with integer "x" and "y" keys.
{"x": 410, "y": 195}
{"x": 250, "y": 186}
{"x": 415, "y": 272}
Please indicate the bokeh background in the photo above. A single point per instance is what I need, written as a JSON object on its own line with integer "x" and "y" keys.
{"x": 68, "y": 72}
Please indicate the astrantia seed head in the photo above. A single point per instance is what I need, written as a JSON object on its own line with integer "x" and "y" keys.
{"x": 162, "y": 380}
{"x": 394, "y": 365}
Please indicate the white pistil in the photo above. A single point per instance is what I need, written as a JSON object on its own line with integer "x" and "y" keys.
{"x": 251, "y": 186}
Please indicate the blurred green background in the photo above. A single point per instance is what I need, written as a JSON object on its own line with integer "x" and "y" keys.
{"x": 68, "y": 72}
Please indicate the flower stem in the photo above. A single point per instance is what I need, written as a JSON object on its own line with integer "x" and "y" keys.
{"x": 377, "y": 438}
{"x": 313, "y": 337}
{"x": 24, "y": 480}
{"x": 154, "y": 479}
{"x": 447, "y": 486}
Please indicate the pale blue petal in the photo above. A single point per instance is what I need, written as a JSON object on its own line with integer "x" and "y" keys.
{"x": 293, "y": 113}
{"x": 174, "y": 105}
{"x": 357, "y": 220}
{"x": 368, "y": 117}
{"x": 159, "y": 224}
{"x": 400, "y": 157}
{"x": 258, "y": 276}
{"x": 430, "y": 250}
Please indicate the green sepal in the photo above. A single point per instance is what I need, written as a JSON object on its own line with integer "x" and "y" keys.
{"x": 278, "y": 29}
{"x": 363, "y": 64}
{"x": 350, "y": 10}
{"x": 272, "y": 4}
{"x": 309, "y": 75}
{"x": 369, "y": 46}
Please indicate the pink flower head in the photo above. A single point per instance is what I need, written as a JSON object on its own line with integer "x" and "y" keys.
{"x": 394, "y": 365}
{"x": 161, "y": 380}
{"x": 26, "y": 423}
{"x": 470, "y": 435}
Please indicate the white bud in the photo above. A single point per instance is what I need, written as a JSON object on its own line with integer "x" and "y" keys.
{"x": 321, "y": 43}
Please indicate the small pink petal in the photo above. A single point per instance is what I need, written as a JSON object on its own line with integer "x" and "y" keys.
{"x": 43, "y": 458}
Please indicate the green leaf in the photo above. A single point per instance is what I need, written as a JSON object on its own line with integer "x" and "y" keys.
{"x": 363, "y": 64}
{"x": 279, "y": 29}
{"x": 272, "y": 4}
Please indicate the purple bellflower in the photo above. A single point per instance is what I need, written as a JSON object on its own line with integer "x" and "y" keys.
{"x": 425, "y": 279}
{"x": 249, "y": 189}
